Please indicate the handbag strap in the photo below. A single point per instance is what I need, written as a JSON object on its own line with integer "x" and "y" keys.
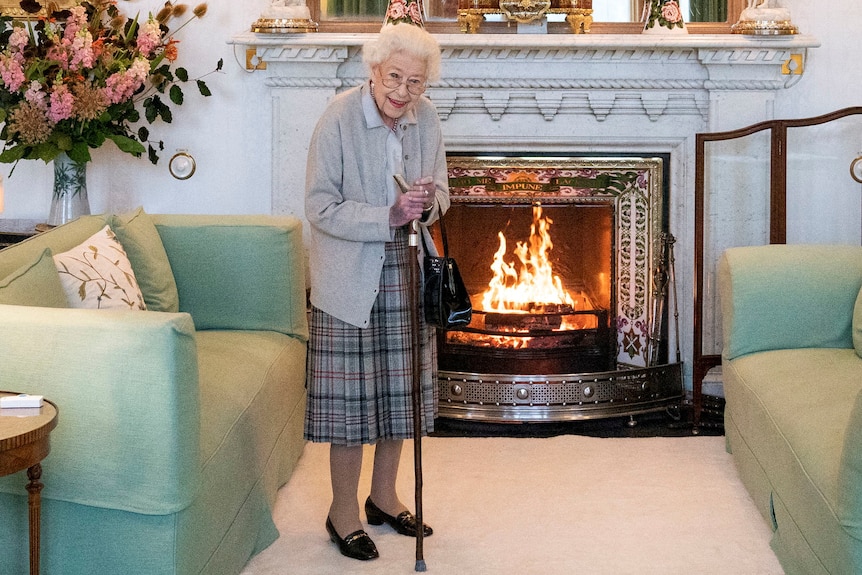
{"x": 443, "y": 236}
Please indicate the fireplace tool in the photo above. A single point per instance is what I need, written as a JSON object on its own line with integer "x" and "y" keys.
{"x": 413, "y": 243}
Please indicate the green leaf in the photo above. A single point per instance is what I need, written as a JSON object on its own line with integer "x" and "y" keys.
{"x": 127, "y": 145}
{"x": 165, "y": 112}
{"x": 176, "y": 95}
{"x": 79, "y": 152}
{"x": 151, "y": 109}
{"x": 152, "y": 155}
{"x": 143, "y": 134}
{"x": 220, "y": 64}
{"x": 12, "y": 154}
{"x": 63, "y": 141}
{"x": 46, "y": 151}
{"x": 204, "y": 90}
{"x": 182, "y": 74}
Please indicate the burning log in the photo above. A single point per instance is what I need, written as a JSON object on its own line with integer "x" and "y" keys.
{"x": 538, "y": 317}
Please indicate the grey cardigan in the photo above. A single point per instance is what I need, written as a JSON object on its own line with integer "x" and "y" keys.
{"x": 346, "y": 198}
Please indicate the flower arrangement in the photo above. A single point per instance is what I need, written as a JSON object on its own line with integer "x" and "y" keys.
{"x": 665, "y": 13}
{"x": 74, "y": 79}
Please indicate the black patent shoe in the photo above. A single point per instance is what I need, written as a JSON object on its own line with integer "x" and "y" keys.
{"x": 405, "y": 523}
{"x": 357, "y": 545}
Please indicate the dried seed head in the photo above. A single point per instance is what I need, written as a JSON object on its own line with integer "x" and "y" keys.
{"x": 163, "y": 15}
{"x": 200, "y": 10}
{"x": 179, "y": 10}
{"x": 118, "y": 21}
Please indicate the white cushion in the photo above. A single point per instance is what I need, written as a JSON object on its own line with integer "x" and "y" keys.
{"x": 97, "y": 274}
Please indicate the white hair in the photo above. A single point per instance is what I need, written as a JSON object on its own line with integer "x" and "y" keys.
{"x": 408, "y": 39}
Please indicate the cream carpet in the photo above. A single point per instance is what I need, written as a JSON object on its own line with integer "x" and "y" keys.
{"x": 558, "y": 506}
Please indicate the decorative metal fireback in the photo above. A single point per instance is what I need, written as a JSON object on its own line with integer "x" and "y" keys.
{"x": 596, "y": 345}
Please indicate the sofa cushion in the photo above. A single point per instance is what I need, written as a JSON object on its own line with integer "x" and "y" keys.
{"x": 774, "y": 289}
{"x": 97, "y": 274}
{"x": 857, "y": 325}
{"x": 139, "y": 237}
{"x": 262, "y": 289}
{"x": 36, "y": 284}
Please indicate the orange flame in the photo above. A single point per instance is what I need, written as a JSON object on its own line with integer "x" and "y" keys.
{"x": 533, "y": 284}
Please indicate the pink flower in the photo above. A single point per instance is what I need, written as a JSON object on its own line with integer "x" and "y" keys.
{"x": 75, "y": 22}
{"x": 19, "y": 39}
{"x": 11, "y": 72}
{"x": 62, "y": 104}
{"x": 81, "y": 48}
{"x": 121, "y": 85}
{"x": 35, "y": 95}
{"x": 397, "y": 10}
{"x": 415, "y": 13}
{"x": 149, "y": 37}
{"x": 670, "y": 11}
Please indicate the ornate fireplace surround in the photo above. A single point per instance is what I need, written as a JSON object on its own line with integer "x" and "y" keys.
{"x": 559, "y": 94}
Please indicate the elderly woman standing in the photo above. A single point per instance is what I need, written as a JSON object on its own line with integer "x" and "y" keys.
{"x": 359, "y": 373}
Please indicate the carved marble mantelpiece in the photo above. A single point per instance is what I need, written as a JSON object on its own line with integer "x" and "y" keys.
{"x": 556, "y": 93}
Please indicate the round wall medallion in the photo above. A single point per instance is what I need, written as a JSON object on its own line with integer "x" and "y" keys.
{"x": 856, "y": 169}
{"x": 182, "y": 166}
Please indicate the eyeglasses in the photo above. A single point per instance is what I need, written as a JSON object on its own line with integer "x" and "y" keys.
{"x": 415, "y": 86}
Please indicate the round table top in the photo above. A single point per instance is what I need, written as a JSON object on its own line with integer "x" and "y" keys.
{"x": 20, "y": 426}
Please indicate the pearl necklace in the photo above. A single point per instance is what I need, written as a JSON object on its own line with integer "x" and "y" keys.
{"x": 394, "y": 127}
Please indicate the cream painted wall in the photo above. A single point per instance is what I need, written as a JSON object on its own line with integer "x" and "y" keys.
{"x": 229, "y": 133}
{"x": 826, "y": 210}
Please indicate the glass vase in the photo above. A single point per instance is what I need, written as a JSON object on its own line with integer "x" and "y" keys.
{"x": 70, "y": 191}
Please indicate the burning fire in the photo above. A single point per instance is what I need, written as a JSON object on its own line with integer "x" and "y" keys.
{"x": 526, "y": 297}
{"x": 531, "y": 287}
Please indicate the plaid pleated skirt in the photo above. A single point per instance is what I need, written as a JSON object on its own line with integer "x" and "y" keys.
{"x": 360, "y": 380}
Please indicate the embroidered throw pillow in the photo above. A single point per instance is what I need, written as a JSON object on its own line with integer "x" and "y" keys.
{"x": 97, "y": 274}
{"x": 34, "y": 284}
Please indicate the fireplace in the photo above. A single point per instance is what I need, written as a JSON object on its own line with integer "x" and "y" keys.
{"x": 560, "y": 256}
{"x": 570, "y": 95}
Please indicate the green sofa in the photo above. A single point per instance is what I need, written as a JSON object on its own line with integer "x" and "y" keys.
{"x": 177, "y": 425}
{"x": 792, "y": 371}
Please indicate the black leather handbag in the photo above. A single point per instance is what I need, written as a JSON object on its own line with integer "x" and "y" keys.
{"x": 447, "y": 303}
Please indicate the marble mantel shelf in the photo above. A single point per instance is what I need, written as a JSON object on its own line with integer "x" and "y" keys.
{"x": 578, "y": 41}
{"x": 545, "y": 63}
{"x": 707, "y": 48}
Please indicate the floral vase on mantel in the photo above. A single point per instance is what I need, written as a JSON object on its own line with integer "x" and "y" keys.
{"x": 70, "y": 191}
{"x": 663, "y": 17}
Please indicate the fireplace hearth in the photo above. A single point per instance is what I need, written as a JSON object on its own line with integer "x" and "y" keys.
{"x": 562, "y": 258}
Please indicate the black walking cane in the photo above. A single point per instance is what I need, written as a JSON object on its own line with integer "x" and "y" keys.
{"x": 415, "y": 326}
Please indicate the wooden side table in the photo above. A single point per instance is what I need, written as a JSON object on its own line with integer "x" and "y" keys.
{"x": 24, "y": 443}
{"x": 14, "y": 231}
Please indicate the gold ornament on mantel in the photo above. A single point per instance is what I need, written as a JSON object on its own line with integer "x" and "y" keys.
{"x": 524, "y": 11}
{"x": 764, "y": 18}
{"x": 471, "y": 13}
{"x": 285, "y": 17}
